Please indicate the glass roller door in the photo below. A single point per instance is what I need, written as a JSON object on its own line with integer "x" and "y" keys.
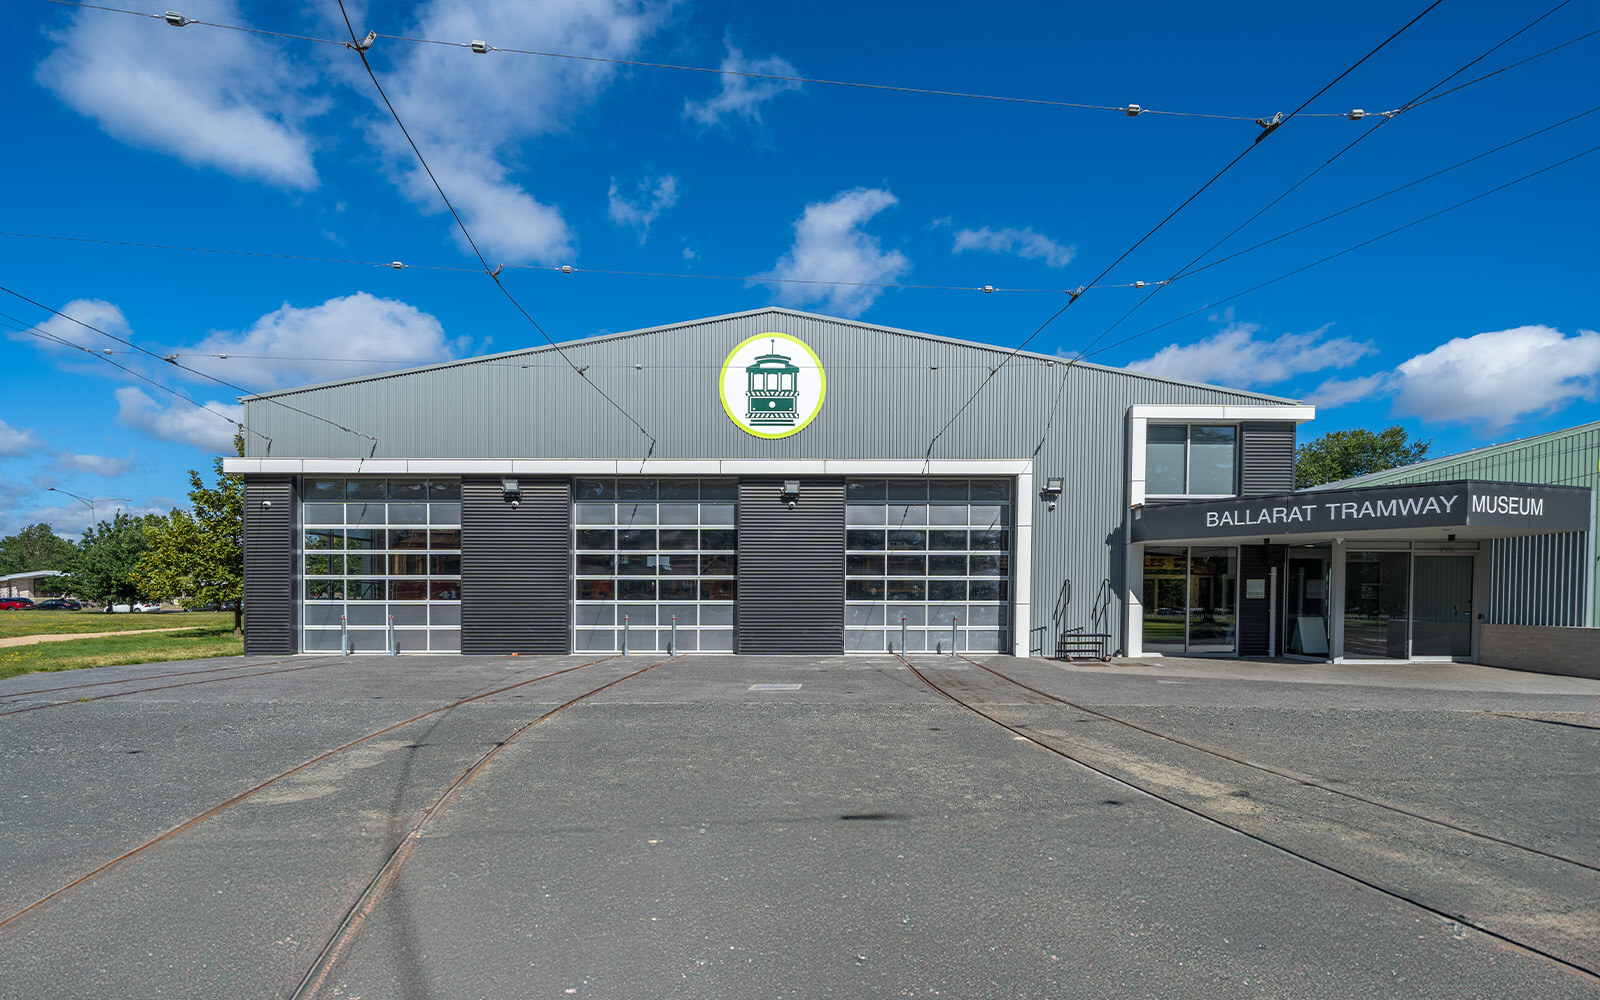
{"x": 930, "y": 560}
{"x": 648, "y": 553}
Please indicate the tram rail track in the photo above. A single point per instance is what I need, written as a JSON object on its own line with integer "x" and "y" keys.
{"x": 1588, "y": 971}
{"x": 317, "y": 975}
{"x": 169, "y": 687}
{"x": 23, "y": 695}
{"x": 262, "y": 786}
{"x": 1299, "y": 779}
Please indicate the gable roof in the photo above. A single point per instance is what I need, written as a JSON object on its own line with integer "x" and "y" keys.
{"x": 768, "y": 310}
{"x": 1422, "y": 470}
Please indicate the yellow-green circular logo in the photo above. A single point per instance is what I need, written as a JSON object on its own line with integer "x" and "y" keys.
{"x": 773, "y": 385}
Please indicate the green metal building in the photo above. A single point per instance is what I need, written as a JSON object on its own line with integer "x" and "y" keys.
{"x": 1568, "y": 457}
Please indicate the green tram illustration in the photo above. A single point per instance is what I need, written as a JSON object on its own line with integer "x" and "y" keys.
{"x": 774, "y": 390}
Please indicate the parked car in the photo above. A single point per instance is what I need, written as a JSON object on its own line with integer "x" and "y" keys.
{"x": 151, "y": 606}
{"x": 16, "y": 603}
{"x": 136, "y": 606}
{"x": 58, "y": 604}
{"x": 214, "y": 606}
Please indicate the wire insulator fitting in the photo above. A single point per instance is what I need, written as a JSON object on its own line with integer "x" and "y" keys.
{"x": 566, "y": 268}
{"x": 1140, "y": 284}
{"x": 479, "y": 47}
{"x": 1132, "y": 110}
{"x": 364, "y": 44}
{"x": 1356, "y": 115}
{"x": 397, "y": 265}
{"x": 988, "y": 289}
{"x": 177, "y": 20}
{"x": 1072, "y": 294}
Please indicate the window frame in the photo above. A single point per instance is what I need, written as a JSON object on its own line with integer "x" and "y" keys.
{"x": 1188, "y": 458}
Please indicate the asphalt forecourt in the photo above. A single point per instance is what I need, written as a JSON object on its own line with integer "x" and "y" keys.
{"x": 797, "y": 827}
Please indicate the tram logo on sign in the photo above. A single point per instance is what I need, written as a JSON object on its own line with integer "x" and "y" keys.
{"x": 773, "y": 385}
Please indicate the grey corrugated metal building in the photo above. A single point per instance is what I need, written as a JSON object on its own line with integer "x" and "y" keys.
{"x": 1547, "y": 579}
{"x": 781, "y": 482}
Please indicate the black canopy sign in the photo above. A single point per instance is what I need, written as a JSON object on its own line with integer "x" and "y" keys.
{"x": 1463, "y": 504}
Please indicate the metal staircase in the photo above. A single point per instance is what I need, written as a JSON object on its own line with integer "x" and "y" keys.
{"x": 1077, "y": 643}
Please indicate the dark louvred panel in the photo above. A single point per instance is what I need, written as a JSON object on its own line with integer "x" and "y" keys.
{"x": 1267, "y": 457}
{"x": 516, "y": 567}
{"x": 791, "y": 568}
{"x": 1256, "y": 562}
{"x": 270, "y": 600}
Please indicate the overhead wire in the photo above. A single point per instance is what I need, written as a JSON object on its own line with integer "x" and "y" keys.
{"x": 1073, "y": 297}
{"x": 64, "y": 342}
{"x": 562, "y": 268}
{"x": 193, "y": 371}
{"x": 360, "y": 50}
{"x": 1323, "y": 260}
{"x": 1190, "y": 268}
{"x": 177, "y": 19}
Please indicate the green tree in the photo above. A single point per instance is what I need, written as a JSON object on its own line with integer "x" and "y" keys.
{"x": 106, "y": 558}
{"x": 35, "y": 547}
{"x": 1343, "y": 454}
{"x": 198, "y": 554}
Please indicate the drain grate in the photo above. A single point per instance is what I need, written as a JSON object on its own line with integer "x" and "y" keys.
{"x": 774, "y": 687}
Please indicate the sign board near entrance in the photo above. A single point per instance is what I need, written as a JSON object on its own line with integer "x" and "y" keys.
{"x": 1463, "y": 504}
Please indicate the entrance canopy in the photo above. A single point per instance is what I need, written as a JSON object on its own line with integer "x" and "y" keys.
{"x": 1464, "y": 510}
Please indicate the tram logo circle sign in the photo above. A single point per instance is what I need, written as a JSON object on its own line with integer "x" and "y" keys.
{"x": 773, "y": 385}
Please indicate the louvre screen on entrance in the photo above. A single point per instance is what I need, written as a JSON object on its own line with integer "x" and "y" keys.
{"x": 921, "y": 553}
{"x": 648, "y": 551}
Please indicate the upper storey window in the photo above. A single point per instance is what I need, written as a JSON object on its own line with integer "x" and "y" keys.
{"x": 1191, "y": 460}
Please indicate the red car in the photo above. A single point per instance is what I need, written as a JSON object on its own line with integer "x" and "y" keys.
{"x": 15, "y": 603}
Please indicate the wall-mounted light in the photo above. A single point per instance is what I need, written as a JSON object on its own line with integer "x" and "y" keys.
{"x": 511, "y": 491}
{"x": 791, "y": 492}
{"x": 1051, "y": 491}
{"x": 266, "y": 505}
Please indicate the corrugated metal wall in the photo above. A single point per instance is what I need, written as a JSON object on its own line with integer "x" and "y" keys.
{"x": 1266, "y": 457}
{"x": 791, "y": 568}
{"x": 1540, "y": 580}
{"x": 888, "y": 393}
{"x": 516, "y": 567}
{"x": 270, "y": 552}
{"x": 1562, "y": 458}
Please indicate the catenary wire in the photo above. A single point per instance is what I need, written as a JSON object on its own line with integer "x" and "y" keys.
{"x": 493, "y": 273}
{"x": 177, "y": 19}
{"x": 193, "y": 371}
{"x": 1073, "y": 297}
{"x": 1349, "y": 249}
{"x": 396, "y": 265}
{"x": 43, "y": 335}
{"x": 1190, "y": 268}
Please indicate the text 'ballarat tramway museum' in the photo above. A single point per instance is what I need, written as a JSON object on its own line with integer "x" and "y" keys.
{"x": 790, "y": 503}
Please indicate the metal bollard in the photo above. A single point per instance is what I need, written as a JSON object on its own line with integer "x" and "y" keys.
{"x": 344, "y": 636}
{"x": 902, "y": 635}
{"x": 953, "y": 643}
{"x": 672, "y": 644}
{"x": 624, "y": 635}
{"x": 394, "y": 646}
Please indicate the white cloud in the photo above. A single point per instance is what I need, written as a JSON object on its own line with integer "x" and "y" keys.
{"x": 95, "y": 312}
{"x": 223, "y": 99}
{"x": 283, "y": 347}
{"x": 742, "y": 95}
{"x": 17, "y": 442}
{"x": 1338, "y": 392}
{"x": 829, "y": 245}
{"x": 472, "y": 115}
{"x": 1235, "y": 357}
{"x": 98, "y": 465}
{"x": 1024, "y": 243}
{"x": 1494, "y": 378}
{"x": 181, "y": 421}
{"x": 642, "y": 214}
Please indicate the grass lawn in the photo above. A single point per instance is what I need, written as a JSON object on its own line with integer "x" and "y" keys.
{"x": 107, "y": 651}
{"x": 15, "y": 623}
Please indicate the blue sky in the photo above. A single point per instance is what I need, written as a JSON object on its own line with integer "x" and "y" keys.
{"x": 1474, "y": 327}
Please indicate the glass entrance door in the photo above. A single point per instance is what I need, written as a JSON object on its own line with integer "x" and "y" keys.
{"x": 1442, "y": 602}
